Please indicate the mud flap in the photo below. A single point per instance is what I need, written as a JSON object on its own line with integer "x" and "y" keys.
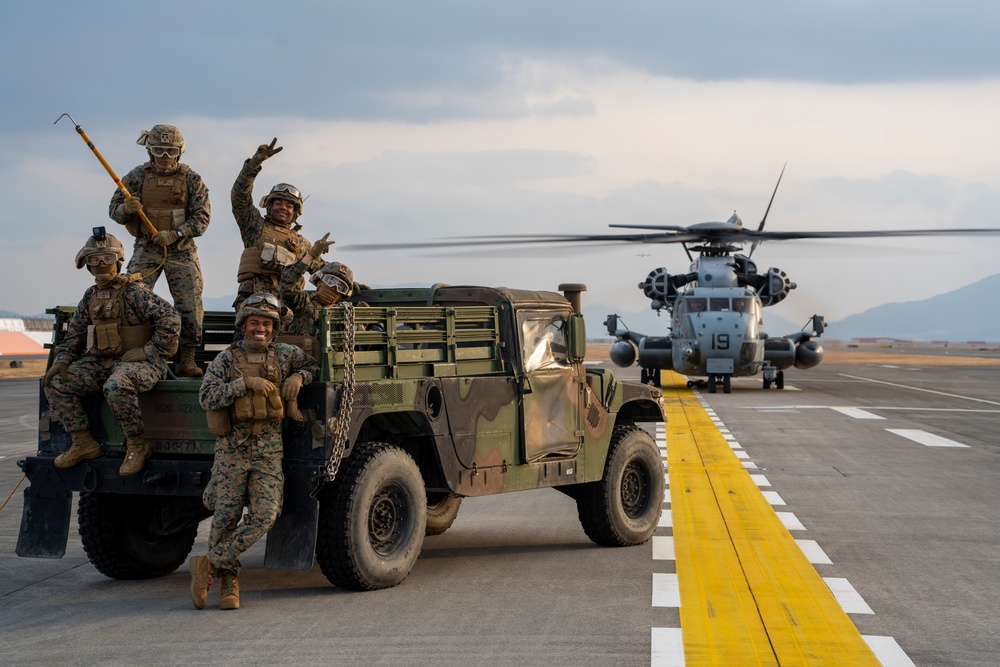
{"x": 291, "y": 542}
{"x": 44, "y": 524}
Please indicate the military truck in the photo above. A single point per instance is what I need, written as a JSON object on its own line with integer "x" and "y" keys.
{"x": 425, "y": 396}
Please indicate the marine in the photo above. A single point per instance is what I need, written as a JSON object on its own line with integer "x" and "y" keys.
{"x": 248, "y": 389}
{"x": 175, "y": 200}
{"x": 118, "y": 341}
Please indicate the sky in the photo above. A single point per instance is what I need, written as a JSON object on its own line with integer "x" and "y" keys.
{"x": 423, "y": 120}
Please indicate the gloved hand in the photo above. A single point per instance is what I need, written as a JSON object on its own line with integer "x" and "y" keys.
{"x": 59, "y": 368}
{"x": 132, "y": 205}
{"x": 290, "y": 387}
{"x": 168, "y": 237}
{"x": 254, "y": 383}
{"x": 135, "y": 354}
{"x": 264, "y": 151}
{"x": 321, "y": 246}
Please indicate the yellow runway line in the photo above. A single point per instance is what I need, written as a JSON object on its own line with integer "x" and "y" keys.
{"x": 749, "y": 596}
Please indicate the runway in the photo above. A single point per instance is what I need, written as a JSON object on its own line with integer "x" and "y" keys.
{"x": 885, "y": 477}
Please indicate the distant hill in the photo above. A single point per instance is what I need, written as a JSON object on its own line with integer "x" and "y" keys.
{"x": 966, "y": 314}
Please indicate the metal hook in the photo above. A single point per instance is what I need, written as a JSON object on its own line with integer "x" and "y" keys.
{"x": 68, "y": 116}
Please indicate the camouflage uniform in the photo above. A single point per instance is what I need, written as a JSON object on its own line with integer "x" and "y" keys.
{"x": 182, "y": 267}
{"x": 305, "y": 311}
{"x": 122, "y": 381}
{"x": 247, "y": 467}
{"x": 253, "y": 227}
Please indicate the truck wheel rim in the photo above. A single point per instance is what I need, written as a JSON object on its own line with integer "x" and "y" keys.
{"x": 635, "y": 489}
{"x": 387, "y": 519}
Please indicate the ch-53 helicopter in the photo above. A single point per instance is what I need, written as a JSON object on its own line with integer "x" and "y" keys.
{"x": 716, "y": 307}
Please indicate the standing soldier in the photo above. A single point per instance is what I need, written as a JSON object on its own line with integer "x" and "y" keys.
{"x": 270, "y": 242}
{"x": 175, "y": 200}
{"x": 119, "y": 339}
{"x": 248, "y": 388}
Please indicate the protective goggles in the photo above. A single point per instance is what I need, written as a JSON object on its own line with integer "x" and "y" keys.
{"x": 263, "y": 297}
{"x": 336, "y": 283}
{"x": 288, "y": 188}
{"x": 165, "y": 151}
{"x": 98, "y": 258}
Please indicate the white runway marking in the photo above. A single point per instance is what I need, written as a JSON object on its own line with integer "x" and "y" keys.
{"x": 666, "y": 590}
{"x": 813, "y": 551}
{"x": 667, "y": 647}
{"x": 790, "y": 520}
{"x": 887, "y": 651}
{"x": 663, "y": 547}
{"x": 849, "y": 599}
{"x": 925, "y": 438}
{"x": 760, "y": 480}
{"x": 929, "y": 391}
{"x": 772, "y": 497}
{"x": 857, "y": 413}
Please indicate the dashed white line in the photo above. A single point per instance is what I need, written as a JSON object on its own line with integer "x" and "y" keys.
{"x": 886, "y": 650}
{"x": 925, "y": 438}
{"x": 666, "y": 590}
{"x": 663, "y": 547}
{"x": 667, "y": 647}
{"x": 814, "y": 552}
{"x": 790, "y": 521}
{"x": 850, "y": 600}
{"x": 856, "y": 413}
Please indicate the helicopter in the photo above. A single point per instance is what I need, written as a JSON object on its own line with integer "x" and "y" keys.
{"x": 716, "y": 307}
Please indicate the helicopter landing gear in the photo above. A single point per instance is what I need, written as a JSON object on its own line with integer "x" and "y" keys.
{"x": 724, "y": 379}
{"x": 650, "y": 376}
{"x": 778, "y": 380}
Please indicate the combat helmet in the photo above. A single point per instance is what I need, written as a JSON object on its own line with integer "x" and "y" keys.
{"x": 285, "y": 191}
{"x": 101, "y": 243}
{"x": 264, "y": 305}
{"x": 337, "y": 276}
{"x": 162, "y": 137}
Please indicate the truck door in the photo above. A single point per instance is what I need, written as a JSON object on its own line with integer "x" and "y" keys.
{"x": 551, "y": 387}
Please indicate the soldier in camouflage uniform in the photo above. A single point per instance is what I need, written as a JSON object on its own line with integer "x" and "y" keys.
{"x": 247, "y": 390}
{"x": 334, "y": 281}
{"x": 175, "y": 200}
{"x": 270, "y": 242}
{"x": 118, "y": 340}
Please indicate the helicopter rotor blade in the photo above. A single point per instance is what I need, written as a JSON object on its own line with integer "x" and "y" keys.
{"x": 763, "y": 220}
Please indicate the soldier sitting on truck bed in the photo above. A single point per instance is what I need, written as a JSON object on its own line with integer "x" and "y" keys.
{"x": 119, "y": 339}
{"x": 248, "y": 388}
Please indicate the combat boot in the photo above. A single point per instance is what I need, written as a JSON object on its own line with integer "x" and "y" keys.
{"x": 186, "y": 366}
{"x": 136, "y": 453}
{"x": 84, "y": 447}
{"x": 202, "y": 574}
{"x": 229, "y": 596}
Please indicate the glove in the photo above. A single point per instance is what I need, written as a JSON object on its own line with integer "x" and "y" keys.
{"x": 321, "y": 246}
{"x": 264, "y": 151}
{"x": 132, "y": 205}
{"x": 254, "y": 383}
{"x": 57, "y": 367}
{"x": 135, "y": 354}
{"x": 290, "y": 388}
{"x": 166, "y": 238}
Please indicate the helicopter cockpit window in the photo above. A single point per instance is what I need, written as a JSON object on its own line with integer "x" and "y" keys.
{"x": 743, "y": 305}
{"x": 695, "y": 305}
{"x": 719, "y": 304}
{"x": 545, "y": 343}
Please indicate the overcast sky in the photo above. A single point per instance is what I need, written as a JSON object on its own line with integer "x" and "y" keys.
{"x": 416, "y": 120}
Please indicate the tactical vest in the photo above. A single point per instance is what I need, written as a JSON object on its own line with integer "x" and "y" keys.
{"x": 308, "y": 344}
{"x": 165, "y": 198}
{"x": 276, "y": 249}
{"x": 257, "y": 406}
{"x": 109, "y": 335}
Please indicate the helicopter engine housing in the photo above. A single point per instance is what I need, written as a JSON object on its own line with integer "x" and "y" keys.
{"x": 808, "y": 353}
{"x": 779, "y": 352}
{"x": 774, "y": 287}
{"x": 622, "y": 353}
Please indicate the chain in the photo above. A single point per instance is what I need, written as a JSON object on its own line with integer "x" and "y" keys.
{"x": 340, "y": 425}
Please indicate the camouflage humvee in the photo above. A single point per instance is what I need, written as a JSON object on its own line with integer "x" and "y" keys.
{"x": 426, "y": 396}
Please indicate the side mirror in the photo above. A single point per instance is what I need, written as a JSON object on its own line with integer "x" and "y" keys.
{"x": 577, "y": 338}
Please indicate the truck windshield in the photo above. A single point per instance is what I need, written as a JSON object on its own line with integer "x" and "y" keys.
{"x": 544, "y": 343}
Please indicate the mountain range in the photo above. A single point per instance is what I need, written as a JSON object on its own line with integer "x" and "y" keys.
{"x": 965, "y": 314}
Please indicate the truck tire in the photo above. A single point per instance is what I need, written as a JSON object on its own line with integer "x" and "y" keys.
{"x": 623, "y": 508}
{"x": 115, "y": 530}
{"x": 442, "y": 509}
{"x": 372, "y": 519}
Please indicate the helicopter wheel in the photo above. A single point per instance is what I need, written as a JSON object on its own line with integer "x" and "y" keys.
{"x": 643, "y": 376}
{"x": 726, "y": 384}
{"x": 767, "y": 383}
{"x": 711, "y": 383}
{"x": 655, "y": 377}
{"x": 780, "y": 381}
